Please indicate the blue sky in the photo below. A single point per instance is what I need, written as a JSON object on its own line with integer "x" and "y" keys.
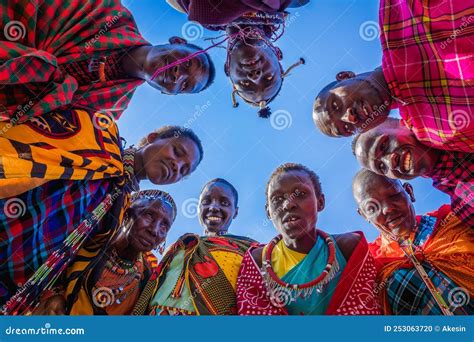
{"x": 332, "y": 35}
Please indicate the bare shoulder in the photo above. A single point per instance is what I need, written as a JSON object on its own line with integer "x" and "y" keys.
{"x": 257, "y": 255}
{"x": 347, "y": 243}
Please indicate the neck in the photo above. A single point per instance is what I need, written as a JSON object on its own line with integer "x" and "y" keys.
{"x": 125, "y": 250}
{"x": 134, "y": 62}
{"x": 138, "y": 165}
{"x": 303, "y": 244}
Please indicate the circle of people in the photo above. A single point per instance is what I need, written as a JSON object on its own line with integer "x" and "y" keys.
{"x": 78, "y": 234}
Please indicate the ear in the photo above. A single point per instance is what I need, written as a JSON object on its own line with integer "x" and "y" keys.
{"x": 236, "y": 212}
{"x": 151, "y": 137}
{"x": 226, "y": 69}
{"x": 344, "y": 75}
{"x": 177, "y": 40}
{"x": 267, "y": 212}
{"x": 363, "y": 215}
{"x": 409, "y": 189}
{"x": 321, "y": 202}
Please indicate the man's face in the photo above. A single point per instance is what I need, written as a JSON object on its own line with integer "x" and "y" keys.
{"x": 293, "y": 205}
{"x": 167, "y": 161}
{"x": 352, "y": 105}
{"x": 255, "y": 71}
{"x": 152, "y": 223}
{"x": 188, "y": 77}
{"x": 393, "y": 152}
{"x": 386, "y": 204}
{"x": 217, "y": 207}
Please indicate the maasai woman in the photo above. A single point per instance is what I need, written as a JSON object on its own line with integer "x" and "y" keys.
{"x": 121, "y": 280}
{"x": 61, "y": 176}
{"x": 86, "y": 53}
{"x": 305, "y": 271}
{"x": 427, "y": 73}
{"x": 198, "y": 275}
{"x": 426, "y": 261}
{"x": 253, "y": 61}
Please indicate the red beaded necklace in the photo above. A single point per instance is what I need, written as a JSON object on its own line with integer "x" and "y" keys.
{"x": 277, "y": 287}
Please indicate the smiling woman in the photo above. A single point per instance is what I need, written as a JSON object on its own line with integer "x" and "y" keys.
{"x": 199, "y": 274}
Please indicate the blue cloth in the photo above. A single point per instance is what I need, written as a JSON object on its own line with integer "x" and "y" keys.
{"x": 308, "y": 269}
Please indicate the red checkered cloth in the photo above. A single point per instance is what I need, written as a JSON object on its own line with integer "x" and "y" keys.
{"x": 454, "y": 175}
{"x": 428, "y": 63}
{"x": 39, "y": 38}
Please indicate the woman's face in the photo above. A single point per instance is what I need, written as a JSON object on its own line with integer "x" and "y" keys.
{"x": 255, "y": 71}
{"x": 293, "y": 205}
{"x": 152, "y": 222}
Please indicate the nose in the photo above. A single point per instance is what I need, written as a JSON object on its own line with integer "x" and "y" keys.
{"x": 350, "y": 116}
{"x": 288, "y": 204}
{"x": 254, "y": 75}
{"x": 213, "y": 207}
{"x": 386, "y": 209}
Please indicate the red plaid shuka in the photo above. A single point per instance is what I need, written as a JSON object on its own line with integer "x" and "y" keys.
{"x": 454, "y": 175}
{"x": 428, "y": 63}
{"x": 40, "y": 39}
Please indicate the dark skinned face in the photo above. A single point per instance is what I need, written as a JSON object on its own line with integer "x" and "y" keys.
{"x": 152, "y": 224}
{"x": 394, "y": 152}
{"x": 293, "y": 206}
{"x": 217, "y": 207}
{"x": 187, "y": 77}
{"x": 167, "y": 161}
{"x": 353, "y": 105}
{"x": 386, "y": 204}
{"x": 255, "y": 71}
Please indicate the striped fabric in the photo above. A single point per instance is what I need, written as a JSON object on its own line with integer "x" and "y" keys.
{"x": 454, "y": 175}
{"x": 38, "y": 37}
{"x": 408, "y": 294}
{"x": 37, "y": 222}
{"x": 428, "y": 63}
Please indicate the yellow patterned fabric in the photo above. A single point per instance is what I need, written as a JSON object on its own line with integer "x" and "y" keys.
{"x": 70, "y": 145}
{"x": 283, "y": 258}
{"x": 230, "y": 264}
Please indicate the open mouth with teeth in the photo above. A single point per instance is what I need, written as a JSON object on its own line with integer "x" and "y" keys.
{"x": 291, "y": 219}
{"x": 406, "y": 161}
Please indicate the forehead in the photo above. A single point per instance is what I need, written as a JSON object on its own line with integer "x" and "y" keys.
{"x": 158, "y": 206}
{"x": 217, "y": 190}
{"x": 375, "y": 187}
{"x": 288, "y": 180}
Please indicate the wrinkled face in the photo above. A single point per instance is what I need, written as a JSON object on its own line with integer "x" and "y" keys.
{"x": 255, "y": 71}
{"x": 387, "y": 205}
{"x": 217, "y": 207}
{"x": 351, "y": 105}
{"x": 293, "y": 204}
{"x": 167, "y": 161}
{"x": 187, "y": 77}
{"x": 153, "y": 220}
{"x": 393, "y": 152}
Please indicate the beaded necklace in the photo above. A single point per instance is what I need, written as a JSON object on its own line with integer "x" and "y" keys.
{"x": 275, "y": 285}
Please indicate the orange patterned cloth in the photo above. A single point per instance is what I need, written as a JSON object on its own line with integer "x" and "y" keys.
{"x": 450, "y": 249}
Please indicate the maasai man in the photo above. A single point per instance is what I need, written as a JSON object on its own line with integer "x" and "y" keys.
{"x": 442, "y": 245}
{"x": 253, "y": 61}
{"x": 63, "y": 179}
{"x": 198, "y": 275}
{"x": 427, "y": 72}
{"x": 121, "y": 280}
{"x": 305, "y": 271}
{"x": 86, "y": 53}
{"x": 392, "y": 150}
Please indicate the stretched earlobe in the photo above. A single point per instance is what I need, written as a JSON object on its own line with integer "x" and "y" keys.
{"x": 151, "y": 137}
{"x": 177, "y": 40}
{"x": 344, "y": 75}
{"x": 409, "y": 190}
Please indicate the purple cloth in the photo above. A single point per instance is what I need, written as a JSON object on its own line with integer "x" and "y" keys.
{"x": 222, "y": 12}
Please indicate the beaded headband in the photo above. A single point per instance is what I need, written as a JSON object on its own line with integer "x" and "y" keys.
{"x": 155, "y": 195}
